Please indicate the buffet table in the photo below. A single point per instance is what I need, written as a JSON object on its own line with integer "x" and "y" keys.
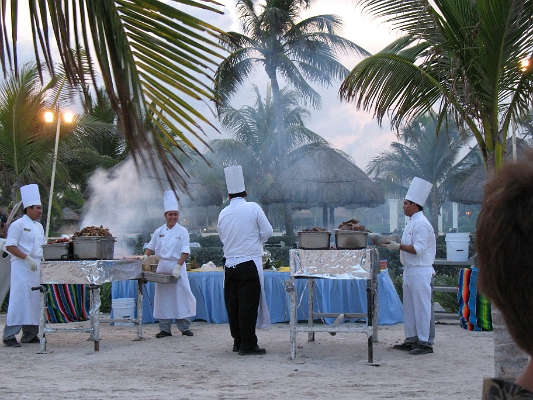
{"x": 330, "y": 295}
{"x": 93, "y": 273}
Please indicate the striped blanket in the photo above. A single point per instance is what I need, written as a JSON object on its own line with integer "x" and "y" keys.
{"x": 474, "y": 309}
{"x": 66, "y": 303}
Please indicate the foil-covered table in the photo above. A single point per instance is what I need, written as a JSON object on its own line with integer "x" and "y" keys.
{"x": 89, "y": 272}
{"x": 93, "y": 273}
{"x": 334, "y": 264}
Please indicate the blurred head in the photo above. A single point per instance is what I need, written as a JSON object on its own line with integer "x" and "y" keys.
{"x": 504, "y": 238}
{"x": 172, "y": 218}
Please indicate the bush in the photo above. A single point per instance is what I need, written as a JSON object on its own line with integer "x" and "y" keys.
{"x": 207, "y": 241}
{"x": 203, "y": 255}
{"x": 288, "y": 240}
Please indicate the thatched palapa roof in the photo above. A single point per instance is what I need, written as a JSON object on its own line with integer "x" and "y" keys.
{"x": 472, "y": 189}
{"x": 324, "y": 177}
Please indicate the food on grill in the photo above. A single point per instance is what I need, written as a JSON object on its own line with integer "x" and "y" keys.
{"x": 60, "y": 240}
{"x": 352, "y": 225}
{"x": 314, "y": 229}
{"x": 93, "y": 231}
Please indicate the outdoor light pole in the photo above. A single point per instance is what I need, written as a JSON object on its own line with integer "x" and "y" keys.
{"x": 49, "y": 117}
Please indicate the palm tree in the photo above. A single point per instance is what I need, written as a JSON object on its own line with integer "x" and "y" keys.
{"x": 253, "y": 131}
{"x": 463, "y": 57}
{"x": 300, "y": 51}
{"x": 25, "y": 146}
{"x": 425, "y": 153}
{"x": 153, "y": 59}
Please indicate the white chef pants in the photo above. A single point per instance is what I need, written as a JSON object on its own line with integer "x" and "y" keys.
{"x": 417, "y": 299}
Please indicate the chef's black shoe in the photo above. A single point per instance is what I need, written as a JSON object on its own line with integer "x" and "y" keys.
{"x": 421, "y": 349}
{"x": 404, "y": 346}
{"x": 235, "y": 348}
{"x": 163, "y": 334}
{"x": 187, "y": 333}
{"x": 11, "y": 343}
{"x": 254, "y": 352}
{"x": 34, "y": 339}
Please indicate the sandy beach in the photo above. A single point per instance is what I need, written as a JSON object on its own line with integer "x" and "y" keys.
{"x": 204, "y": 366}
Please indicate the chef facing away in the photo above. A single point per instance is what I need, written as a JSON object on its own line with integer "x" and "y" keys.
{"x": 243, "y": 229}
{"x": 170, "y": 242}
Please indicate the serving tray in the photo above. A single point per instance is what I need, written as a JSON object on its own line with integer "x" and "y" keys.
{"x": 159, "y": 278}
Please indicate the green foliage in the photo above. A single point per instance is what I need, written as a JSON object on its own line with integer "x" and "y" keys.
{"x": 447, "y": 300}
{"x": 462, "y": 56}
{"x": 105, "y": 297}
{"x": 140, "y": 50}
{"x": 3, "y": 308}
{"x": 202, "y": 255}
{"x": 288, "y": 240}
{"x": 207, "y": 241}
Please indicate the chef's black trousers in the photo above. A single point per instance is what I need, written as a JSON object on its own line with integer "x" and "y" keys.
{"x": 242, "y": 291}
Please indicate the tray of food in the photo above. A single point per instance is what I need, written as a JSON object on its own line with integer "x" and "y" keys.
{"x": 351, "y": 236}
{"x": 56, "y": 251}
{"x": 159, "y": 278}
{"x": 314, "y": 239}
{"x": 93, "y": 243}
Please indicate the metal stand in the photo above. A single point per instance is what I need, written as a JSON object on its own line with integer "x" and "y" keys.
{"x": 94, "y": 317}
{"x": 371, "y": 328}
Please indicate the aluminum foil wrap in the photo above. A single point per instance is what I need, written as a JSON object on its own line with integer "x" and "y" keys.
{"x": 333, "y": 264}
{"x": 95, "y": 272}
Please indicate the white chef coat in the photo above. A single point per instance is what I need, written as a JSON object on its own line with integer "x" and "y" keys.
{"x": 172, "y": 301}
{"x": 24, "y": 303}
{"x": 419, "y": 233}
{"x": 244, "y": 228}
{"x": 417, "y": 275}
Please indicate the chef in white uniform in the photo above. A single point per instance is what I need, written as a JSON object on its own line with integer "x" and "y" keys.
{"x": 417, "y": 255}
{"x": 170, "y": 243}
{"x": 24, "y": 240}
{"x": 243, "y": 229}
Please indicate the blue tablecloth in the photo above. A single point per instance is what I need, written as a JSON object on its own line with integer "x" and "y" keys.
{"x": 331, "y": 295}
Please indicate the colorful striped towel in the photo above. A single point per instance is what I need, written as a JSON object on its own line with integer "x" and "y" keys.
{"x": 66, "y": 303}
{"x": 463, "y": 294}
{"x": 474, "y": 309}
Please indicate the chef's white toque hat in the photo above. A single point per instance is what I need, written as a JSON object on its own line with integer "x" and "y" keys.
{"x": 30, "y": 195}
{"x": 234, "y": 179}
{"x": 170, "y": 201}
{"x": 418, "y": 191}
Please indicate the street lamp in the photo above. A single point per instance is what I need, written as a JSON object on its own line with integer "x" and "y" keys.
{"x": 49, "y": 118}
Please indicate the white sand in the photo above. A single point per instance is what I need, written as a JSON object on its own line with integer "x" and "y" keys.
{"x": 204, "y": 366}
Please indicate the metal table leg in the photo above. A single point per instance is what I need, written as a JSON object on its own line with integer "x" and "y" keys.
{"x": 310, "y": 311}
{"x": 139, "y": 319}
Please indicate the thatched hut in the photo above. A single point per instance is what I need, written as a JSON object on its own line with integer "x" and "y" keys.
{"x": 471, "y": 190}
{"x": 324, "y": 178}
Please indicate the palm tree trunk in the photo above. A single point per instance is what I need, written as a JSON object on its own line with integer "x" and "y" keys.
{"x": 282, "y": 147}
